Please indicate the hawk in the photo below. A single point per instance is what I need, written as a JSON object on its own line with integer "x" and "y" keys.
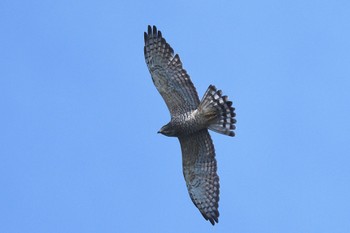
{"x": 190, "y": 121}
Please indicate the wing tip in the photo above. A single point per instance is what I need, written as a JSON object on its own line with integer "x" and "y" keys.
{"x": 213, "y": 218}
{"x": 152, "y": 32}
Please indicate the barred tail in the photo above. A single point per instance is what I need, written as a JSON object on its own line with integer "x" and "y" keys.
{"x": 219, "y": 111}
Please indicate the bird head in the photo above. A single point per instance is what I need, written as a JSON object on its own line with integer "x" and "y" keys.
{"x": 168, "y": 130}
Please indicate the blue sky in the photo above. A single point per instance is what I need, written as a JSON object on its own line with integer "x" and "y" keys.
{"x": 79, "y": 115}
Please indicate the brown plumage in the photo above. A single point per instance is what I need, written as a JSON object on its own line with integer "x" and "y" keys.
{"x": 190, "y": 121}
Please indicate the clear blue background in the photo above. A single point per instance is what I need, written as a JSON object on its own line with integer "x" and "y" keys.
{"x": 79, "y": 150}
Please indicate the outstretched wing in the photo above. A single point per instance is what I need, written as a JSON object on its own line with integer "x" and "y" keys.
{"x": 199, "y": 168}
{"x": 171, "y": 80}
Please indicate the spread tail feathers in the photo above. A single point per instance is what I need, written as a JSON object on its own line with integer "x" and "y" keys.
{"x": 219, "y": 111}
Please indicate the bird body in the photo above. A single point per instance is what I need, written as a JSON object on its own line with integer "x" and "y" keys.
{"x": 186, "y": 123}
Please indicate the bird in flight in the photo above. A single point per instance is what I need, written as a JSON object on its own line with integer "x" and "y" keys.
{"x": 190, "y": 121}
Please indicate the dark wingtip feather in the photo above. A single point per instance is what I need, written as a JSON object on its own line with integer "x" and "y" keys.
{"x": 213, "y": 218}
{"x": 212, "y": 87}
{"x": 216, "y": 218}
{"x": 212, "y": 221}
{"x": 154, "y": 31}
{"x": 145, "y": 37}
{"x": 163, "y": 41}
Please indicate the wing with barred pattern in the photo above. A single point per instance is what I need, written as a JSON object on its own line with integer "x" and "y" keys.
{"x": 168, "y": 75}
{"x": 199, "y": 169}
